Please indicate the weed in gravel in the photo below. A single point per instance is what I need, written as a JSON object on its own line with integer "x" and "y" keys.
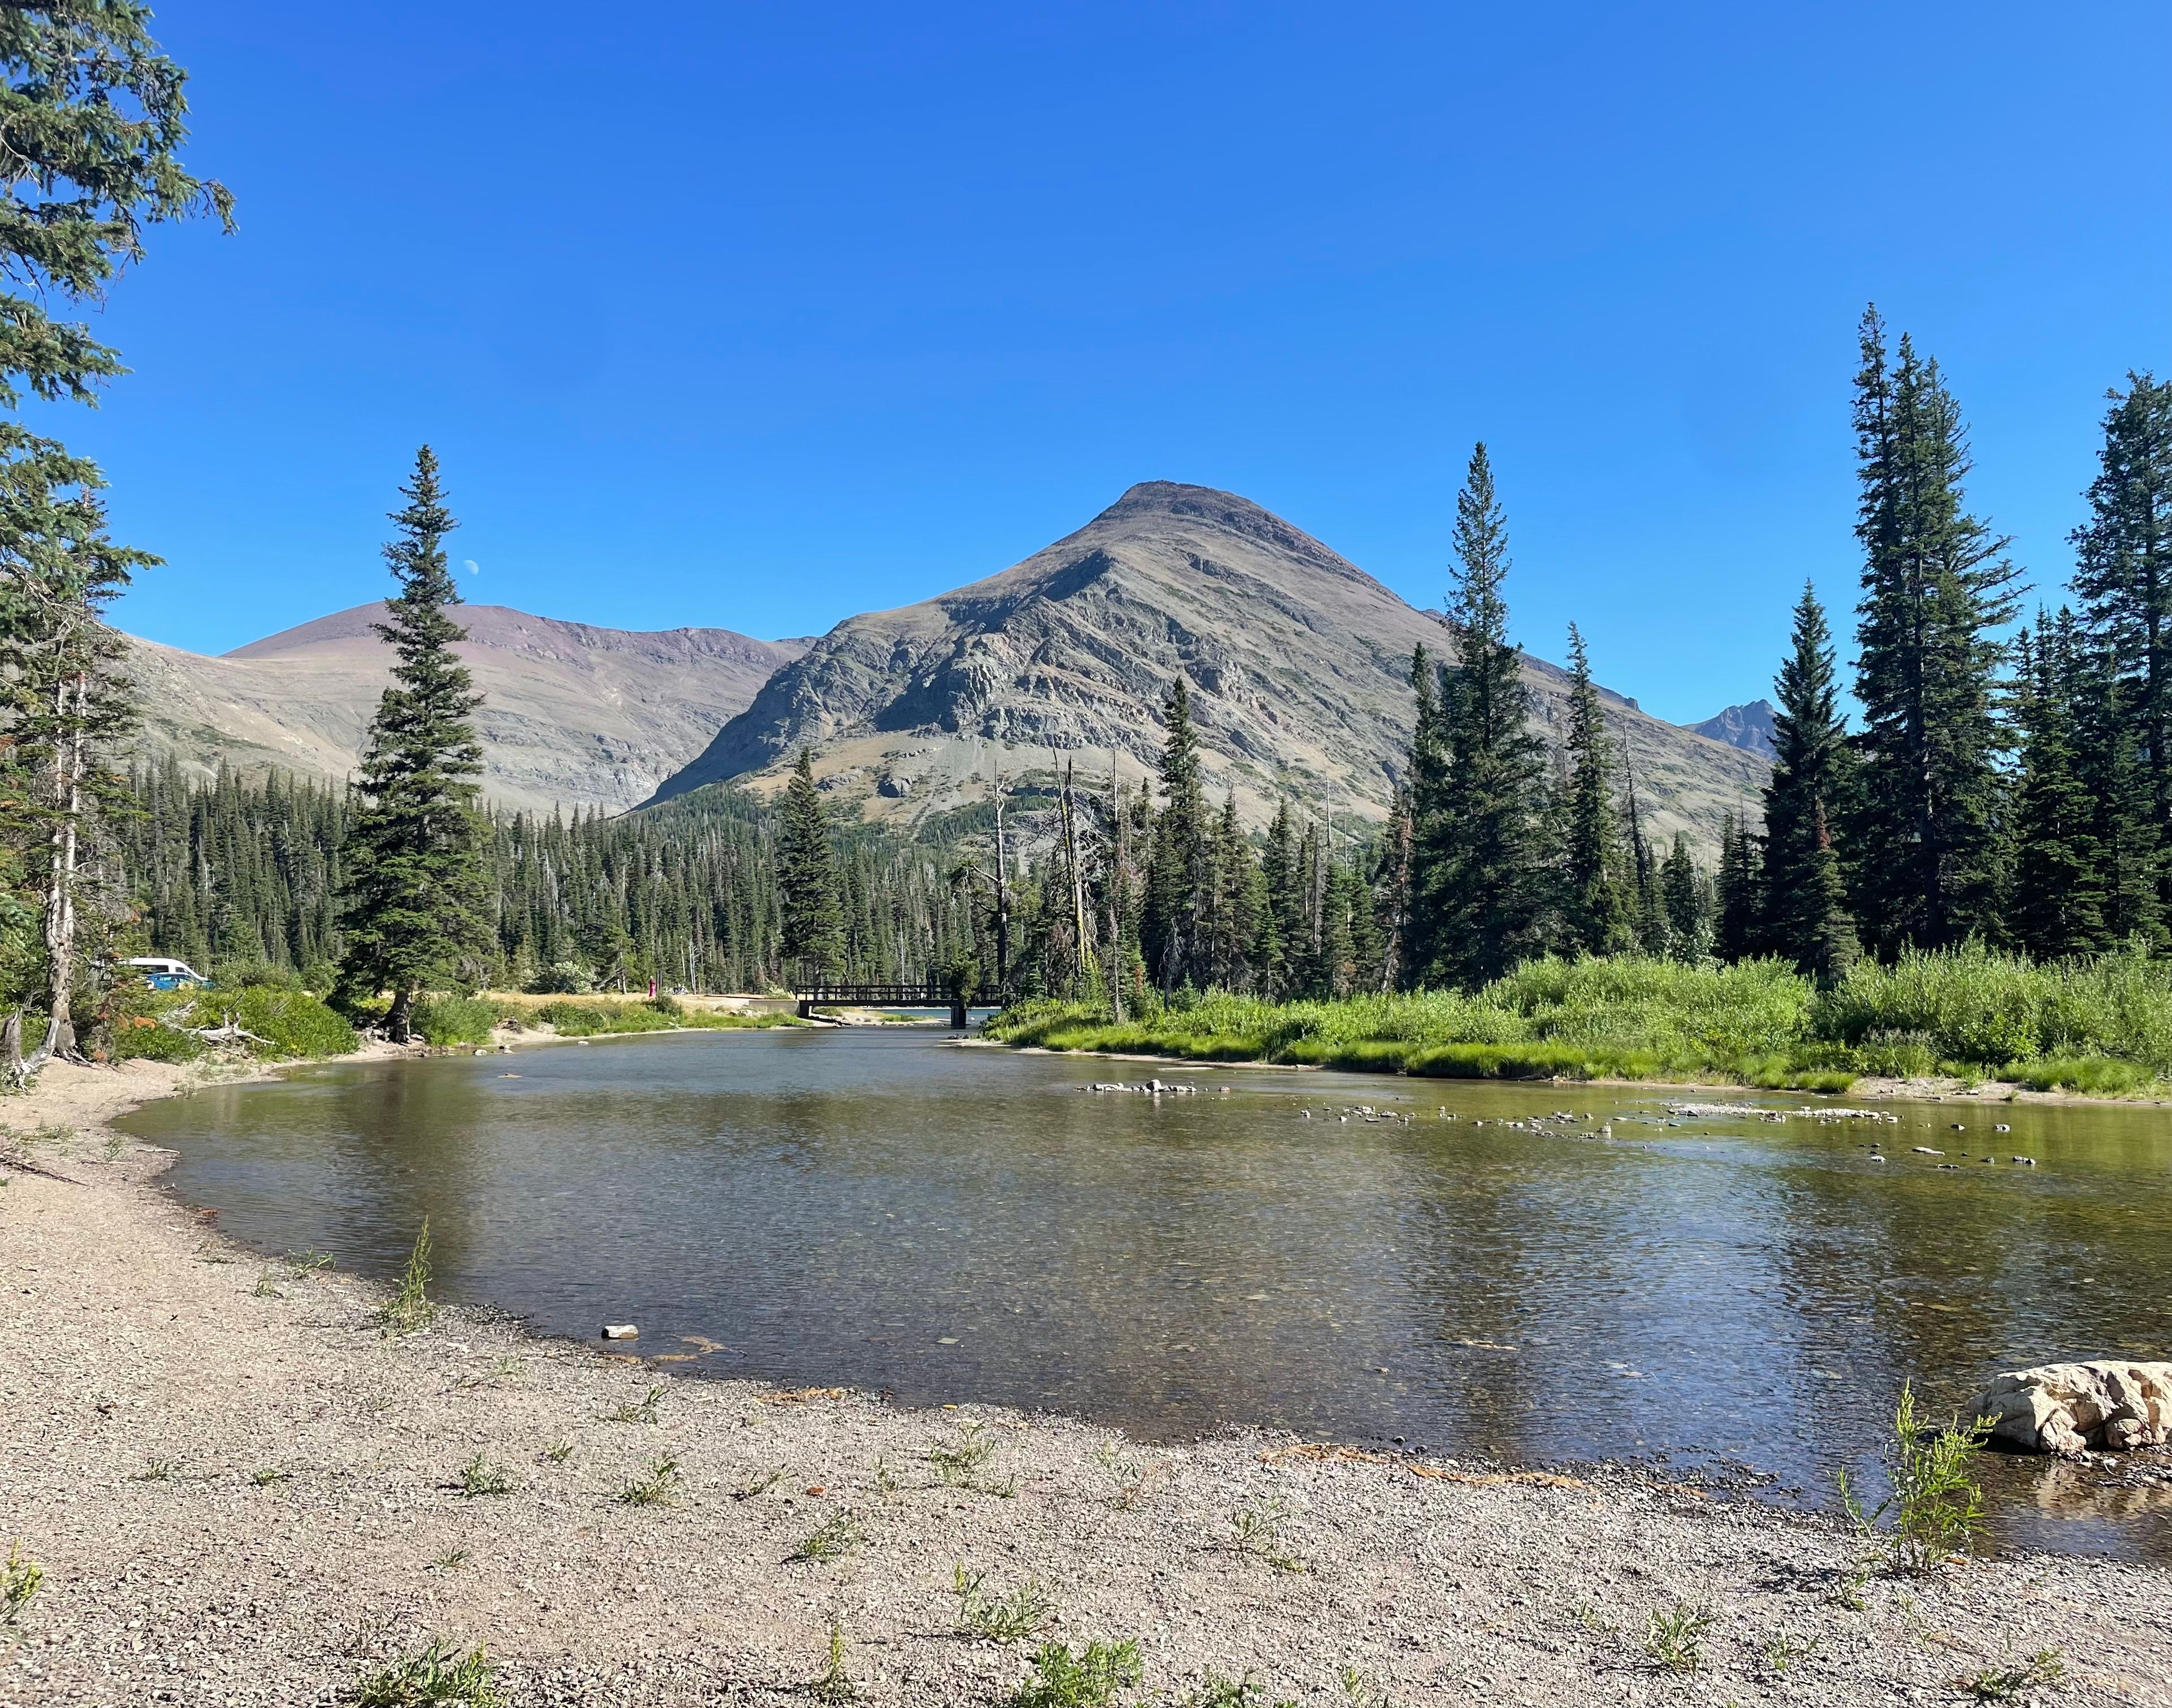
{"x": 1090, "y": 1679}
{"x": 1585, "y": 1614}
{"x": 266, "y": 1476}
{"x": 48, "y": 1133}
{"x": 659, "y": 1488}
{"x": 1850, "y": 1594}
{"x": 1783, "y": 1648}
{"x": 479, "y": 1477}
{"x": 156, "y": 1471}
{"x": 641, "y": 1411}
{"x": 1937, "y": 1504}
{"x": 2044, "y": 1668}
{"x": 759, "y": 1485}
{"x": 409, "y": 1310}
{"x": 1128, "y": 1477}
{"x": 300, "y": 1263}
{"x": 451, "y": 1559}
{"x": 442, "y": 1674}
{"x": 1359, "y": 1691}
{"x": 960, "y": 1467}
{"x": 833, "y": 1683}
{"x": 1675, "y": 1639}
{"x": 886, "y": 1484}
{"x": 267, "y": 1286}
{"x": 20, "y": 1580}
{"x": 1216, "y": 1691}
{"x": 833, "y": 1540}
{"x": 1257, "y": 1531}
{"x": 1001, "y": 1618}
{"x": 115, "y": 1145}
{"x": 558, "y": 1452}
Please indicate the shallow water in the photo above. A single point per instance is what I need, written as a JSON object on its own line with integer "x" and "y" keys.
{"x": 881, "y": 1209}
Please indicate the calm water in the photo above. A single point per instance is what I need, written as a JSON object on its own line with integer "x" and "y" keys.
{"x": 886, "y": 1210}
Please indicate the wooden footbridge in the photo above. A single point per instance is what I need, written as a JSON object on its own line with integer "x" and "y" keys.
{"x": 932, "y": 993}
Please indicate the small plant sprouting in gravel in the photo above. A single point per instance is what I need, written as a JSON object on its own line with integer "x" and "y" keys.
{"x": 659, "y": 1488}
{"x": 409, "y": 1310}
{"x": 156, "y": 1471}
{"x": 558, "y": 1452}
{"x": 300, "y": 1263}
{"x": 20, "y": 1580}
{"x": 1590, "y": 1617}
{"x": 759, "y": 1485}
{"x": 1937, "y": 1504}
{"x": 1257, "y": 1531}
{"x": 442, "y": 1676}
{"x": 1850, "y": 1594}
{"x": 451, "y": 1559}
{"x": 832, "y": 1540}
{"x": 641, "y": 1411}
{"x": 1216, "y": 1691}
{"x": 266, "y": 1476}
{"x": 833, "y": 1683}
{"x": 1065, "y": 1680}
{"x": 115, "y": 1145}
{"x": 885, "y": 1478}
{"x": 2045, "y": 1668}
{"x": 1001, "y": 1618}
{"x": 1359, "y": 1691}
{"x": 1128, "y": 1477}
{"x": 1783, "y": 1648}
{"x": 1675, "y": 1639}
{"x": 959, "y": 1467}
{"x": 267, "y": 1286}
{"x": 479, "y": 1477}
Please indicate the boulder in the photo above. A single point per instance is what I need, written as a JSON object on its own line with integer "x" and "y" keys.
{"x": 2115, "y": 1404}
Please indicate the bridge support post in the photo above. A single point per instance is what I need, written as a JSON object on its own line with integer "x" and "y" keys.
{"x": 959, "y": 1019}
{"x": 806, "y": 1007}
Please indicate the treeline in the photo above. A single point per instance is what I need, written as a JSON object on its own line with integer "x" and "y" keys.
{"x": 238, "y": 872}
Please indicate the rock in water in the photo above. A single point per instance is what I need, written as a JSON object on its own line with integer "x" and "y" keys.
{"x": 620, "y": 1331}
{"x": 2067, "y": 1408}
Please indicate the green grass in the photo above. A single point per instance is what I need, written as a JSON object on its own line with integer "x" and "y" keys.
{"x": 1675, "y": 1638}
{"x": 409, "y": 1310}
{"x": 448, "y": 1020}
{"x": 2102, "y": 1025}
{"x": 658, "y": 1486}
{"x": 1001, "y": 1618}
{"x": 593, "y": 1018}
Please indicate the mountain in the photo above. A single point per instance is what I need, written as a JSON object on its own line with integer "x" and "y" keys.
{"x": 1748, "y": 727}
{"x": 572, "y": 715}
{"x": 1300, "y": 661}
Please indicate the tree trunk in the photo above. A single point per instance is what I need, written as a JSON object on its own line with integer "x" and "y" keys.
{"x": 396, "y": 1018}
{"x": 60, "y": 890}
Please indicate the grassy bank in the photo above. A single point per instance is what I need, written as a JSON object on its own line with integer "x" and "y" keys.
{"x": 2102, "y": 1026}
{"x": 581, "y": 1017}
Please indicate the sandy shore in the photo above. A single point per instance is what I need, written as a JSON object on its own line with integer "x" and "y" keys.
{"x": 242, "y": 1493}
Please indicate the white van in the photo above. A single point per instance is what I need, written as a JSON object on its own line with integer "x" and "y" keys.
{"x": 165, "y": 973}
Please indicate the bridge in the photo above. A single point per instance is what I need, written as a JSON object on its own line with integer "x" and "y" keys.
{"x": 932, "y": 993}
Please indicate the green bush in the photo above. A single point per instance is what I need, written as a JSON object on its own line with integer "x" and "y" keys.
{"x": 291, "y": 1024}
{"x": 140, "y": 1038}
{"x": 444, "y": 1020}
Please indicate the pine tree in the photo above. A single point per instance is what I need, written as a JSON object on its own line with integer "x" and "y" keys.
{"x": 1736, "y": 933}
{"x": 413, "y": 901}
{"x": 1595, "y": 902}
{"x": 1681, "y": 891}
{"x": 1180, "y": 870}
{"x": 1926, "y": 846}
{"x": 811, "y": 934}
{"x": 1476, "y": 899}
{"x": 2123, "y": 578}
{"x": 1805, "y": 899}
{"x": 2058, "y": 906}
{"x": 2111, "y": 763}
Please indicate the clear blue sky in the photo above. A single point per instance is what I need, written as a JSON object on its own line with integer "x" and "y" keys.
{"x": 759, "y": 316}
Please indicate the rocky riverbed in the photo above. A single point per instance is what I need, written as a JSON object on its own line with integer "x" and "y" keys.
{"x": 241, "y": 1492}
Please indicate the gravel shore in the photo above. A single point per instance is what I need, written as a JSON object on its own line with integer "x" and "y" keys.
{"x": 242, "y": 1492}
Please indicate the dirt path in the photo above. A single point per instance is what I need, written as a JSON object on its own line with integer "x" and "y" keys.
{"x": 240, "y": 1492}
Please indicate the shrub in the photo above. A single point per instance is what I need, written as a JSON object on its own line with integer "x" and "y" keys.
{"x": 139, "y": 1038}
{"x": 445, "y": 1020}
{"x": 1090, "y": 1679}
{"x": 441, "y": 1674}
{"x": 1936, "y": 1503}
{"x": 291, "y": 1023}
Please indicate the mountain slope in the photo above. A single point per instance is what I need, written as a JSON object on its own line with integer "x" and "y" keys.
{"x": 1750, "y": 728}
{"x": 1300, "y": 662}
{"x": 572, "y": 714}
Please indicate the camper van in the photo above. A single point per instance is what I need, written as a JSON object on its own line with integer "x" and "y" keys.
{"x": 163, "y": 973}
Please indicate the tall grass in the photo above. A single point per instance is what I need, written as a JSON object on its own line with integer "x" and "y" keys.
{"x": 2101, "y": 1024}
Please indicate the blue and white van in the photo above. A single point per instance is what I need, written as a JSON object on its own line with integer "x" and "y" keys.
{"x": 165, "y": 973}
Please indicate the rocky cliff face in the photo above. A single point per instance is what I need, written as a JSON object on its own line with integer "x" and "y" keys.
{"x": 572, "y": 715}
{"x": 1300, "y": 661}
{"x": 1750, "y": 728}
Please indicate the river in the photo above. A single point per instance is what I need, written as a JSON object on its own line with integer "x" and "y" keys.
{"x": 881, "y": 1208}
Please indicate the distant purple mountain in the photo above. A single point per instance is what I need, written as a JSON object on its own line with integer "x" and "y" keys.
{"x": 1748, "y": 727}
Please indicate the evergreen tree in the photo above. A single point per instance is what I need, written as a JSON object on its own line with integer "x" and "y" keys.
{"x": 1595, "y": 903}
{"x": 1282, "y": 907}
{"x": 2058, "y": 906}
{"x": 2123, "y": 578}
{"x": 1926, "y": 845}
{"x": 811, "y": 938}
{"x": 1806, "y": 918}
{"x": 1180, "y": 870}
{"x": 1475, "y": 897}
{"x": 414, "y": 900}
{"x": 1682, "y": 893}
{"x": 2110, "y": 749}
{"x": 1738, "y": 886}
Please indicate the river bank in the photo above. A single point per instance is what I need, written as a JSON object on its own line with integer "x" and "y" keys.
{"x": 241, "y": 1492}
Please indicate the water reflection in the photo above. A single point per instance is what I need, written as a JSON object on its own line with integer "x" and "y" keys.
{"x": 885, "y": 1210}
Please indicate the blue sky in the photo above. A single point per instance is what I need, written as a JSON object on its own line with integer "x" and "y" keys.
{"x": 756, "y": 317}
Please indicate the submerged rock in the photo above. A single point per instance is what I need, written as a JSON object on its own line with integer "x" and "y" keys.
{"x": 2111, "y": 1404}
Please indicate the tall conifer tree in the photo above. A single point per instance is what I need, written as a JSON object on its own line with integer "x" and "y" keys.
{"x": 1806, "y": 916}
{"x": 1596, "y": 909}
{"x": 1181, "y": 870}
{"x": 414, "y": 897}
{"x": 2058, "y": 903}
{"x": 810, "y": 915}
{"x": 1478, "y": 859}
{"x": 1926, "y": 843}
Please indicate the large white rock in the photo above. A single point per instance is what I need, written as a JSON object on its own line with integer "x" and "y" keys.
{"x": 2113, "y": 1403}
